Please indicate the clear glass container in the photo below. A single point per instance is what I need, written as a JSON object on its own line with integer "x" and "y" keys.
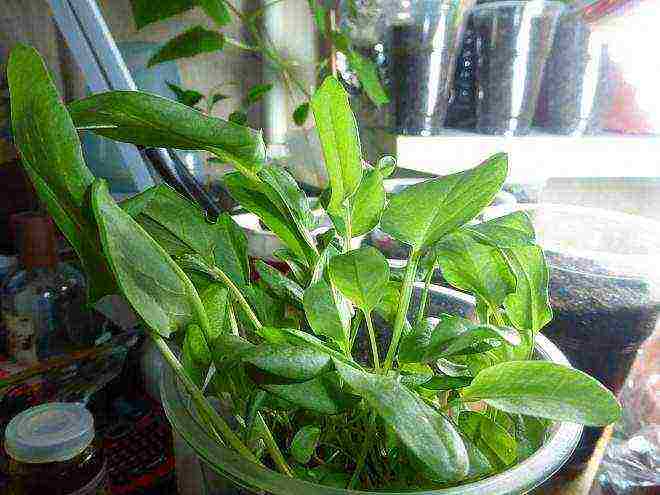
{"x": 226, "y": 472}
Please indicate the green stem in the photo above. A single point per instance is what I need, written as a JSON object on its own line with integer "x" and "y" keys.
{"x": 372, "y": 338}
{"x": 348, "y": 234}
{"x": 273, "y": 450}
{"x": 365, "y": 451}
{"x": 425, "y": 294}
{"x": 408, "y": 282}
{"x": 232, "y": 322}
{"x": 216, "y": 422}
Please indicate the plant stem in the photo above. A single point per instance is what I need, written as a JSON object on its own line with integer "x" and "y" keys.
{"x": 425, "y": 294}
{"x": 232, "y": 322}
{"x": 372, "y": 338}
{"x": 409, "y": 279}
{"x": 365, "y": 451}
{"x": 273, "y": 449}
{"x": 348, "y": 234}
{"x": 216, "y": 422}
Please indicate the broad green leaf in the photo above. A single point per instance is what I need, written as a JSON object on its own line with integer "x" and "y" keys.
{"x": 528, "y": 307}
{"x": 228, "y": 350}
{"x": 386, "y": 165}
{"x": 304, "y": 443}
{"x": 325, "y": 314}
{"x": 478, "y": 334}
{"x": 52, "y": 157}
{"x": 153, "y": 121}
{"x": 423, "y": 213}
{"x": 530, "y": 434}
{"x": 388, "y": 306}
{"x": 196, "y": 357}
{"x": 360, "y": 275}
{"x": 301, "y": 113}
{"x": 188, "y": 97}
{"x": 366, "y": 205}
{"x": 340, "y": 141}
{"x": 489, "y": 437}
{"x": 256, "y": 93}
{"x": 155, "y": 286}
{"x": 147, "y": 11}
{"x": 427, "y": 434}
{"x": 510, "y": 231}
{"x": 282, "y": 286}
{"x": 321, "y": 264}
{"x": 216, "y": 303}
{"x": 443, "y": 382}
{"x": 257, "y": 203}
{"x": 194, "y": 41}
{"x": 181, "y": 227}
{"x": 474, "y": 267}
{"x": 300, "y": 339}
{"x": 322, "y": 395}
{"x": 412, "y": 375}
{"x": 367, "y": 73}
{"x": 289, "y": 361}
{"x": 545, "y": 390}
{"x": 216, "y": 10}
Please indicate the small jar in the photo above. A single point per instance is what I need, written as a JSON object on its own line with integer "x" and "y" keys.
{"x": 53, "y": 449}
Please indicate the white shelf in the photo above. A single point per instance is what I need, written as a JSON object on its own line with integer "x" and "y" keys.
{"x": 536, "y": 157}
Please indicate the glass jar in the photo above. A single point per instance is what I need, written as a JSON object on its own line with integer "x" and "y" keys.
{"x": 52, "y": 448}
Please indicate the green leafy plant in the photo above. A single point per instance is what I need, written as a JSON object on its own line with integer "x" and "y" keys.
{"x": 197, "y": 40}
{"x": 448, "y": 400}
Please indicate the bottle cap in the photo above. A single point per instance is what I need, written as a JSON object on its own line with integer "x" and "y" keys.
{"x": 38, "y": 242}
{"x": 53, "y": 432}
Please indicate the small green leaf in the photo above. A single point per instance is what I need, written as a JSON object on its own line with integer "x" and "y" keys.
{"x": 528, "y": 307}
{"x": 153, "y": 121}
{"x": 489, "y": 437}
{"x": 147, "y": 11}
{"x": 367, "y": 73}
{"x": 367, "y": 204}
{"x": 325, "y": 314}
{"x": 155, "y": 286}
{"x": 289, "y": 361}
{"x": 216, "y": 10}
{"x": 194, "y": 41}
{"x": 188, "y": 97}
{"x": 216, "y": 303}
{"x": 427, "y": 434}
{"x": 322, "y": 395}
{"x": 443, "y": 382}
{"x": 510, "y": 231}
{"x": 360, "y": 275}
{"x": 282, "y": 286}
{"x": 340, "y": 141}
{"x": 319, "y": 12}
{"x": 474, "y": 267}
{"x": 301, "y": 113}
{"x": 256, "y": 93}
{"x": 545, "y": 390}
{"x": 304, "y": 443}
{"x": 238, "y": 117}
{"x": 423, "y": 213}
{"x": 216, "y": 98}
{"x": 478, "y": 334}
{"x": 387, "y": 165}
{"x": 196, "y": 355}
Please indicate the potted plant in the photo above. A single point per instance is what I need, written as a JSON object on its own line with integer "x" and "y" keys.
{"x": 451, "y": 405}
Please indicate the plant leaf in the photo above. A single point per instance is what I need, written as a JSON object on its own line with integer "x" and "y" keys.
{"x": 153, "y": 121}
{"x": 188, "y": 97}
{"x": 480, "y": 333}
{"x": 295, "y": 265}
{"x": 301, "y": 113}
{"x": 216, "y": 10}
{"x": 194, "y": 41}
{"x": 388, "y": 306}
{"x": 288, "y": 361}
{"x": 147, "y": 11}
{"x": 325, "y": 315}
{"x": 282, "y": 286}
{"x": 322, "y": 395}
{"x": 366, "y": 205}
{"x": 474, "y": 267}
{"x": 155, "y": 286}
{"x": 367, "y": 73}
{"x": 216, "y": 303}
{"x": 528, "y": 307}
{"x": 216, "y": 98}
{"x": 510, "y": 231}
{"x": 196, "y": 355}
{"x": 489, "y": 437}
{"x": 238, "y": 117}
{"x": 530, "y": 434}
{"x": 304, "y": 443}
{"x": 545, "y": 390}
{"x": 52, "y": 157}
{"x": 256, "y": 93}
{"x": 428, "y": 435}
{"x": 360, "y": 275}
{"x": 340, "y": 141}
{"x": 423, "y": 213}
{"x": 444, "y": 382}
